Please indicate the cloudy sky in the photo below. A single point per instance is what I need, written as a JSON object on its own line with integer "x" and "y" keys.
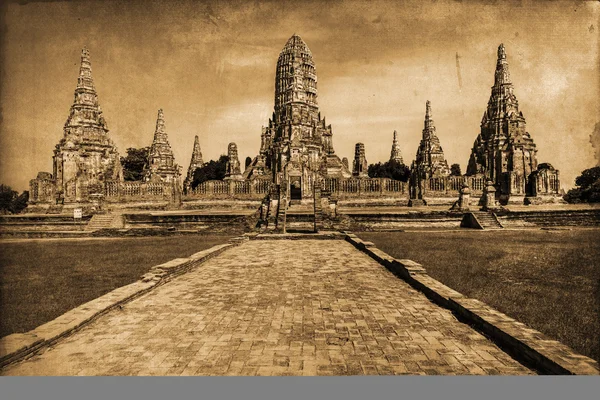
{"x": 211, "y": 67}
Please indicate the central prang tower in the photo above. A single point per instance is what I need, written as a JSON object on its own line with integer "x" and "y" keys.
{"x": 296, "y": 146}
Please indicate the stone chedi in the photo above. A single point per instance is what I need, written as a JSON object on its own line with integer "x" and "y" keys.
{"x": 504, "y": 151}
{"x": 297, "y": 143}
{"x": 430, "y": 161}
{"x": 85, "y": 158}
{"x": 161, "y": 165}
{"x": 195, "y": 163}
{"x": 360, "y": 165}
{"x": 232, "y": 168}
{"x": 395, "y": 153}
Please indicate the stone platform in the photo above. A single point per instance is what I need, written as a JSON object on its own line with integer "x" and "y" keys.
{"x": 276, "y": 307}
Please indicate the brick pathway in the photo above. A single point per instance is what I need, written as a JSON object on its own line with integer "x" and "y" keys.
{"x": 280, "y": 307}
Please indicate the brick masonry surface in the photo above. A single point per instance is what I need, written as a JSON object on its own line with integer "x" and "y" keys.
{"x": 301, "y": 307}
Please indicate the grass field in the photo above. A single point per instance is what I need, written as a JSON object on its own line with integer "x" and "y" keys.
{"x": 549, "y": 280}
{"x": 42, "y": 279}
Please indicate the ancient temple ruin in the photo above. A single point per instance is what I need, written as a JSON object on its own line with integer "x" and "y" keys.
{"x": 430, "y": 160}
{"x": 504, "y": 151}
{"x": 85, "y": 157}
{"x": 296, "y": 146}
{"x": 360, "y": 165}
{"x": 161, "y": 165}
{"x": 395, "y": 154}
{"x": 195, "y": 163}
{"x": 232, "y": 169}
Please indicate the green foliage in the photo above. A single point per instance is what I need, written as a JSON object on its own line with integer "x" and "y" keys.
{"x": 133, "y": 164}
{"x": 11, "y": 201}
{"x": 212, "y": 170}
{"x": 391, "y": 169}
{"x": 588, "y": 187}
{"x": 455, "y": 170}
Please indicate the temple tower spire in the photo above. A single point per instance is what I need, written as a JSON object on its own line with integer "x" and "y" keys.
{"x": 504, "y": 151}
{"x": 195, "y": 163}
{"x": 396, "y": 155}
{"x": 430, "y": 160}
{"x": 161, "y": 161}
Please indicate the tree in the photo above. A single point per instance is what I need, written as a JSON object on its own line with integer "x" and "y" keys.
{"x": 134, "y": 163}
{"x": 11, "y": 201}
{"x": 248, "y": 162}
{"x": 587, "y": 188}
{"x": 455, "y": 170}
{"x": 391, "y": 169}
{"x": 212, "y": 170}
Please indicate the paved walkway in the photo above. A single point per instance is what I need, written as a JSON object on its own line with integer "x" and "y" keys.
{"x": 280, "y": 307}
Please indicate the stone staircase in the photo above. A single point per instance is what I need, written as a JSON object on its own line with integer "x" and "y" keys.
{"x": 105, "y": 221}
{"x": 487, "y": 220}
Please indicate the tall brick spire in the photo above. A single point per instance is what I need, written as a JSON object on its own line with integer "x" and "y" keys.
{"x": 396, "y": 155}
{"x": 161, "y": 161}
{"x": 430, "y": 158}
{"x": 195, "y": 163}
{"x": 85, "y": 109}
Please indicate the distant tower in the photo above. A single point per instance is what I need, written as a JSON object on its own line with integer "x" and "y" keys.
{"x": 395, "y": 154}
{"x": 161, "y": 161}
{"x": 345, "y": 163}
{"x": 360, "y": 166}
{"x": 430, "y": 159}
{"x": 195, "y": 163}
{"x": 233, "y": 170}
{"x": 504, "y": 151}
{"x": 85, "y": 157}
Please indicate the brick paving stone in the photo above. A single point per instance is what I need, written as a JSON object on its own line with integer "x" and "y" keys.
{"x": 281, "y": 307}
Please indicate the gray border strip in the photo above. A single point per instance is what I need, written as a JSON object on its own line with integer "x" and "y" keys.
{"x": 526, "y": 345}
{"x": 17, "y": 346}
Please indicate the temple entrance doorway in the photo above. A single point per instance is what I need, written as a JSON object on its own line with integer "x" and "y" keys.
{"x": 296, "y": 188}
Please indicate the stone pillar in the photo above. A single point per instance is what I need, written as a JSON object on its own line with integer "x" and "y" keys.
{"x": 488, "y": 199}
{"x": 464, "y": 196}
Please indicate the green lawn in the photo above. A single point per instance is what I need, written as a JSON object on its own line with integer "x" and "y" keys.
{"x": 549, "y": 280}
{"x": 42, "y": 279}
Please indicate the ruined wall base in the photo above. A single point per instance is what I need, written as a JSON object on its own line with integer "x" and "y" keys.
{"x": 544, "y": 199}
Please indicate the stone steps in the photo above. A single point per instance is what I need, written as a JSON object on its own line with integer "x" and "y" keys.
{"x": 105, "y": 221}
{"x": 487, "y": 220}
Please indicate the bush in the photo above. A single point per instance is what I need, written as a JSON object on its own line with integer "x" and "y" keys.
{"x": 588, "y": 187}
{"x": 391, "y": 169}
{"x": 134, "y": 163}
{"x": 455, "y": 170}
{"x": 212, "y": 170}
{"x": 11, "y": 201}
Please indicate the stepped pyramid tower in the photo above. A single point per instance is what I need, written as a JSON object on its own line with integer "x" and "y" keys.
{"x": 504, "y": 151}
{"x": 395, "y": 154}
{"x": 161, "y": 161}
{"x": 85, "y": 158}
{"x": 195, "y": 163}
{"x": 430, "y": 160}
{"x": 296, "y": 146}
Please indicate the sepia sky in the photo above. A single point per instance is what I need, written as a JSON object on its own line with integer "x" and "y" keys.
{"x": 211, "y": 67}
